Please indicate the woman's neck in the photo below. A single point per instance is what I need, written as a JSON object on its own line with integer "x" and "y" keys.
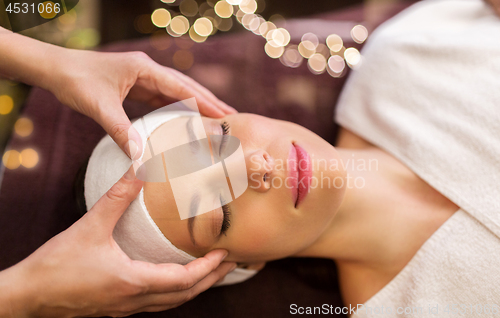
{"x": 354, "y": 233}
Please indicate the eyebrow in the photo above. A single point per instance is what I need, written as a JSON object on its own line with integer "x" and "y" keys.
{"x": 193, "y": 207}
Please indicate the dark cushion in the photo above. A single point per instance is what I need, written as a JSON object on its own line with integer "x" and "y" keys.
{"x": 38, "y": 203}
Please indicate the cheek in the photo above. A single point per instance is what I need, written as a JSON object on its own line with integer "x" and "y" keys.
{"x": 266, "y": 233}
{"x": 254, "y": 130}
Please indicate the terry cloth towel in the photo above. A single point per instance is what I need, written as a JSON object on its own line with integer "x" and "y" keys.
{"x": 428, "y": 92}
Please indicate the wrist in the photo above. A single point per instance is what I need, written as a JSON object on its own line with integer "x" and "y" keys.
{"x": 28, "y": 60}
{"x": 16, "y": 298}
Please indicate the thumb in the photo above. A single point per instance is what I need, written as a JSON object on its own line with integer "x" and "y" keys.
{"x": 111, "y": 205}
{"x": 117, "y": 124}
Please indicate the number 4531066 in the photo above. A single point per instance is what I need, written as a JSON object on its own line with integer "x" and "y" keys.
{"x": 46, "y": 7}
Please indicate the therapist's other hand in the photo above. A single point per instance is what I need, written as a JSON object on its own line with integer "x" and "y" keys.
{"x": 96, "y": 83}
{"x": 495, "y": 4}
{"x": 83, "y": 272}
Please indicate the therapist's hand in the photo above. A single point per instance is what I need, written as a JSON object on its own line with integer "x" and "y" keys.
{"x": 495, "y": 4}
{"x": 83, "y": 272}
{"x": 96, "y": 83}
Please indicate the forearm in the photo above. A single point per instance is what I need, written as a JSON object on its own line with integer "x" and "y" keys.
{"x": 27, "y": 60}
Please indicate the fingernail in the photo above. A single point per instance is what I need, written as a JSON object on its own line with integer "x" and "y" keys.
{"x": 233, "y": 267}
{"x": 140, "y": 172}
{"x": 130, "y": 174}
{"x": 220, "y": 113}
{"x": 232, "y": 109}
{"x": 133, "y": 149}
{"x": 225, "y": 255}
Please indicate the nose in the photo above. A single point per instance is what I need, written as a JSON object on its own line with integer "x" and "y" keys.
{"x": 260, "y": 166}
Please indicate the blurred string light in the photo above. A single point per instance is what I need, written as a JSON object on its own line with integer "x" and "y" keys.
{"x": 84, "y": 39}
{"x": 13, "y": 159}
{"x": 6, "y": 104}
{"x": 23, "y": 127}
{"x": 199, "y": 21}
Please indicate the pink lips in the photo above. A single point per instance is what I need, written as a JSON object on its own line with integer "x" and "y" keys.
{"x": 299, "y": 173}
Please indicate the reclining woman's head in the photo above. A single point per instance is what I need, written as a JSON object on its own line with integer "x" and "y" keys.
{"x": 292, "y": 192}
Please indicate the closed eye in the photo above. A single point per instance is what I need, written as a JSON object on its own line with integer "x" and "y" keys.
{"x": 226, "y": 221}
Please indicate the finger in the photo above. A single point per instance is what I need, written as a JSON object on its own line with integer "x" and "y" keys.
{"x": 111, "y": 206}
{"x": 175, "y": 84}
{"x": 117, "y": 124}
{"x": 214, "y": 277}
{"x": 161, "y": 278}
{"x": 186, "y": 90}
{"x": 174, "y": 299}
{"x": 228, "y": 110}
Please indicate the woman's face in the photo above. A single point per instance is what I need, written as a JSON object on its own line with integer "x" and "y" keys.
{"x": 274, "y": 218}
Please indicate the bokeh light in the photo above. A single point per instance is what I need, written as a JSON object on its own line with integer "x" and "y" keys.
{"x": 23, "y": 127}
{"x": 210, "y": 16}
{"x": 250, "y": 21}
{"x": 143, "y": 24}
{"x": 189, "y": 8}
{"x": 255, "y": 24}
{"x": 248, "y": 6}
{"x": 239, "y": 15}
{"x": 179, "y": 24}
{"x": 195, "y": 36}
{"x": 223, "y": 9}
{"x": 183, "y": 59}
{"x": 336, "y": 64}
{"x": 278, "y": 37}
{"x": 6, "y": 104}
{"x": 304, "y": 51}
{"x": 203, "y": 8}
{"x": 172, "y": 33}
{"x": 160, "y": 40}
{"x": 161, "y": 18}
{"x": 29, "y": 158}
{"x": 225, "y": 25}
{"x": 68, "y": 18}
{"x": 11, "y": 159}
{"x": 203, "y": 27}
{"x": 310, "y": 41}
{"x": 273, "y": 51}
{"x": 317, "y": 63}
{"x": 84, "y": 38}
{"x": 359, "y": 33}
{"x": 323, "y": 50}
{"x": 75, "y": 42}
{"x": 291, "y": 57}
{"x": 277, "y": 19}
{"x": 216, "y": 21}
{"x": 266, "y": 27}
{"x": 334, "y": 42}
{"x": 352, "y": 57}
{"x": 49, "y": 10}
{"x": 183, "y": 42}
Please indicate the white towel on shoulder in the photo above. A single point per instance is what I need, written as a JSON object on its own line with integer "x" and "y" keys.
{"x": 428, "y": 92}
